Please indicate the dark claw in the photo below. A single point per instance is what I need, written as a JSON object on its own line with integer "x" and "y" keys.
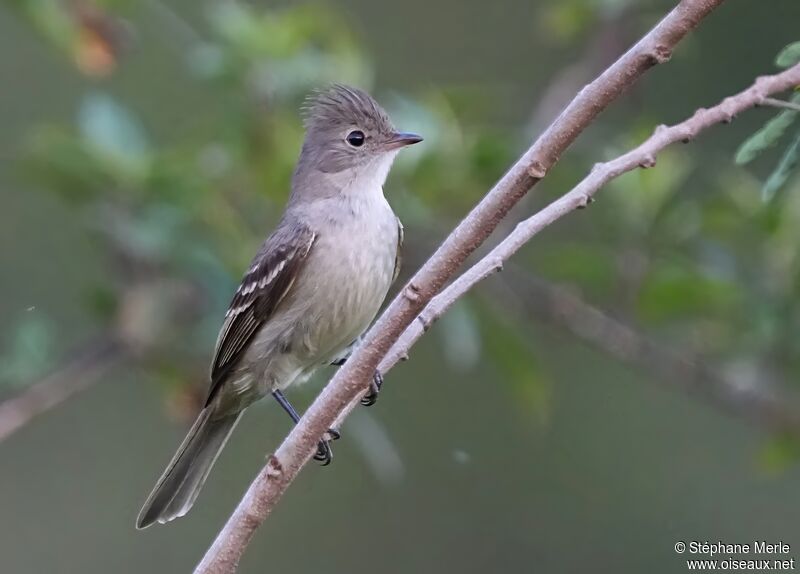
{"x": 324, "y": 453}
{"x": 375, "y": 387}
{"x": 339, "y": 362}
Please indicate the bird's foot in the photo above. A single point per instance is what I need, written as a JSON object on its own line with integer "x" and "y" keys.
{"x": 375, "y": 387}
{"x": 324, "y": 454}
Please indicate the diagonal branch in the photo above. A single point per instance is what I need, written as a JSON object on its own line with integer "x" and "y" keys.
{"x": 78, "y": 374}
{"x": 353, "y": 378}
{"x": 533, "y": 297}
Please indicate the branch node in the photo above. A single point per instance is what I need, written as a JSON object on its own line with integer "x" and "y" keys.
{"x": 274, "y": 468}
{"x": 537, "y": 170}
{"x": 725, "y": 109}
{"x": 661, "y": 54}
{"x": 660, "y": 128}
{"x": 584, "y": 200}
{"x": 411, "y": 292}
{"x": 425, "y": 322}
{"x": 687, "y": 135}
{"x": 648, "y": 161}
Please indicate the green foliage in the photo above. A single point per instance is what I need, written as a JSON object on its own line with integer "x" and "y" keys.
{"x": 113, "y": 133}
{"x": 678, "y": 250}
{"x": 767, "y": 136}
{"x": 180, "y": 221}
{"x": 507, "y": 344}
{"x": 772, "y": 132}
{"x": 566, "y": 20}
{"x": 29, "y": 352}
{"x": 280, "y": 53}
{"x": 460, "y": 337}
{"x": 779, "y": 453}
{"x": 575, "y": 262}
{"x": 785, "y": 168}
{"x": 643, "y": 195}
{"x": 672, "y": 292}
{"x": 789, "y": 56}
{"x": 88, "y": 33}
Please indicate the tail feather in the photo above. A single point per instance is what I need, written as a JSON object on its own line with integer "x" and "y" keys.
{"x": 178, "y": 487}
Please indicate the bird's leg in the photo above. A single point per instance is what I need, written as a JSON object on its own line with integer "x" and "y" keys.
{"x": 377, "y": 379}
{"x": 374, "y": 388}
{"x": 324, "y": 453}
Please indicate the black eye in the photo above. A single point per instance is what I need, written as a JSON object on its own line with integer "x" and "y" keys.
{"x": 356, "y": 138}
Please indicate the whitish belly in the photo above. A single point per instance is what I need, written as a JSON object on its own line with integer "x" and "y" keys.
{"x": 346, "y": 298}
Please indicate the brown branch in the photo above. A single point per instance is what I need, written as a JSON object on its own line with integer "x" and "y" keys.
{"x": 353, "y": 378}
{"x": 533, "y": 297}
{"x": 139, "y": 328}
{"x": 82, "y": 370}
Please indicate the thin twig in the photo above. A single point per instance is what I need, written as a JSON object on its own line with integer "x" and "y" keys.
{"x": 353, "y": 378}
{"x": 580, "y": 196}
{"x": 82, "y": 370}
{"x": 780, "y": 104}
{"x": 536, "y": 298}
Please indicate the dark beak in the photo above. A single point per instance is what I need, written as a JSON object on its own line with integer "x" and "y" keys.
{"x": 402, "y": 139}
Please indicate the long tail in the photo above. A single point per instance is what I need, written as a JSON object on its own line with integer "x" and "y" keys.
{"x": 178, "y": 487}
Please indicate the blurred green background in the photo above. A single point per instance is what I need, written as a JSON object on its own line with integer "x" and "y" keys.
{"x": 146, "y": 150}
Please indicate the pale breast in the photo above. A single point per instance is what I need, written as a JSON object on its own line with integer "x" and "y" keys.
{"x": 355, "y": 260}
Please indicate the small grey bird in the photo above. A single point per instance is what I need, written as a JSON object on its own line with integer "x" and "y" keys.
{"x": 311, "y": 291}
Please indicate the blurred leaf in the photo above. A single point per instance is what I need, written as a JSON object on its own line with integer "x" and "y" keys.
{"x": 460, "y": 336}
{"x": 280, "y": 54}
{"x": 52, "y": 19}
{"x": 589, "y": 265}
{"x": 103, "y": 301}
{"x": 672, "y": 291}
{"x": 783, "y": 171}
{"x": 151, "y": 235}
{"x": 789, "y": 56}
{"x": 489, "y": 157}
{"x": 779, "y": 453}
{"x": 86, "y": 31}
{"x": 506, "y": 348}
{"x": 767, "y": 136}
{"x": 30, "y": 351}
{"x": 642, "y": 195}
{"x": 207, "y": 60}
{"x": 564, "y": 20}
{"x": 113, "y": 131}
{"x": 61, "y": 162}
